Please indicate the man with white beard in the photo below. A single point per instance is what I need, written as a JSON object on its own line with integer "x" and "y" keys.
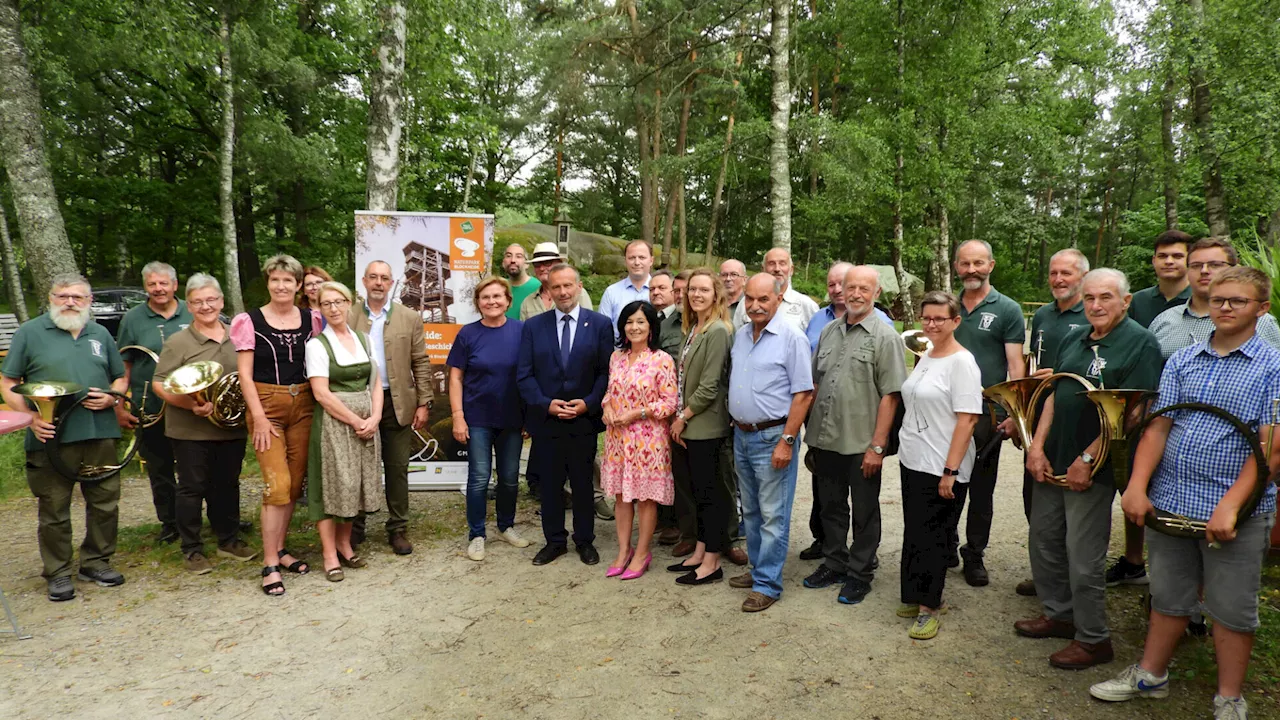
{"x": 65, "y": 345}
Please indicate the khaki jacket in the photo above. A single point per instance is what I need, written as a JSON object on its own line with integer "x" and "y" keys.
{"x": 408, "y": 369}
{"x": 706, "y": 384}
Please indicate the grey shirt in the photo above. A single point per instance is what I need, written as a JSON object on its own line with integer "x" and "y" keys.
{"x": 855, "y": 366}
{"x": 1180, "y": 327}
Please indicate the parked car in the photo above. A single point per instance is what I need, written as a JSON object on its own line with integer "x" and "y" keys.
{"x": 110, "y": 305}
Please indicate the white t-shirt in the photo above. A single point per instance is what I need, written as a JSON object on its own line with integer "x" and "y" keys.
{"x": 318, "y": 359}
{"x": 936, "y": 390}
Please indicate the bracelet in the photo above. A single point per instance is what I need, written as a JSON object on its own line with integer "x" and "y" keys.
{"x": 644, "y": 413}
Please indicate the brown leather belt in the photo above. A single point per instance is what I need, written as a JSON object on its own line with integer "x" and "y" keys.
{"x": 757, "y": 427}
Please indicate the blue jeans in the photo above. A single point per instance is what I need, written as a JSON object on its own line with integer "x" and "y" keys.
{"x": 767, "y": 495}
{"x": 482, "y": 445}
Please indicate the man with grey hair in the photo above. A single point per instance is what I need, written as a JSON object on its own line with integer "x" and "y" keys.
{"x": 1071, "y": 522}
{"x": 734, "y": 276}
{"x": 794, "y": 307}
{"x": 992, "y": 329}
{"x": 142, "y": 334}
{"x": 65, "y": 345}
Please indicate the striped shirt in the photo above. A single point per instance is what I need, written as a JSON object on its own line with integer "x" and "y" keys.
{"x": 1204, "y": 454}
{"x": 1179, "y": 327}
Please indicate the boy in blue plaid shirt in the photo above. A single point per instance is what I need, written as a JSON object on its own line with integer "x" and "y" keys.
{"x": 1198, "y": 467}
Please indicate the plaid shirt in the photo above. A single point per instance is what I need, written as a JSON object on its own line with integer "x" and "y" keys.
{"x": 1204, "y": 454}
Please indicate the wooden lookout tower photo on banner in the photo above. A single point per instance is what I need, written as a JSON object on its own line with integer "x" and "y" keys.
{"x": 436, "y": 261}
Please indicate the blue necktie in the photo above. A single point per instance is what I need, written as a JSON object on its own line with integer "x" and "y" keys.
{"x": 565, "y": 346}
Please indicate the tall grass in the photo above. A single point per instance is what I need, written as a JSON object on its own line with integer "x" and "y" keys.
{"x": 13, "y": 463}
{"x": 1257, "y": 254}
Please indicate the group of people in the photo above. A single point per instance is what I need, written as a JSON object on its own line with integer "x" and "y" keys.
{"x": 702, "y": 384}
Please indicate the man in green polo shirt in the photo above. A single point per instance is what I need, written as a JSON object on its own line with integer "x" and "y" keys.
{"x": 992, "y": 329}
{"x": 65, "y": 345}
{"x": 148, "y": 325}
{"x": 1172, "y": 287}
{"x": 515, "y": 264}
{"x": 1071, "y": 526}
{"x": 1049, "y": 325}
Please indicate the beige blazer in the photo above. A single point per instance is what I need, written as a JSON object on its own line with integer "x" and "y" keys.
{"x": 408, "y": 369}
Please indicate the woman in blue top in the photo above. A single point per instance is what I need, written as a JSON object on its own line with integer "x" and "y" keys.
{"x": 487, "y": 413}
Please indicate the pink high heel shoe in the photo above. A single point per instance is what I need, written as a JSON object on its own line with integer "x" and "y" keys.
{"x": 616, "y": 571}
{"x": 633, "y": 574}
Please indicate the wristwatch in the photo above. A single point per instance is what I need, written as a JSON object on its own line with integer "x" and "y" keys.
{"x": 789, "y": 439}
{"x": 950, "y": 471}
{"x": 1086, "y": 458}
{"x": 877, "y": 449}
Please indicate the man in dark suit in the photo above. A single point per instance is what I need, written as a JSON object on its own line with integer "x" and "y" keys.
{"x": 562, "y": 372}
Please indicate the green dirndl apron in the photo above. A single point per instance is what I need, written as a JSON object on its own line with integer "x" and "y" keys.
{"x": 344, "y": 473}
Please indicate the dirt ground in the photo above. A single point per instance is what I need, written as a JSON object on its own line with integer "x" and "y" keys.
{"x": 436, "y": 635}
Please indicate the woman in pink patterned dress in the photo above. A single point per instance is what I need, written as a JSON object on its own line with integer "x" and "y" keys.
{"x": 637, "y": 450}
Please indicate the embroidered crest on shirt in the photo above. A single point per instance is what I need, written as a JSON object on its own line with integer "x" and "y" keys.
{"x": 984, "y": 323}
{"x": 96, "y": 347}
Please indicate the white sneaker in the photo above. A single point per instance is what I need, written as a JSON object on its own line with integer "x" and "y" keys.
{"x": 1134, "y": 682}
{"x": 475, "y": 550}
{"x": 1225, "y": 708}
{"x": 513, "y": 537}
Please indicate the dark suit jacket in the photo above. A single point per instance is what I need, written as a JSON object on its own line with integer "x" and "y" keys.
{"x": 542, "y": 376}
{"x": 671, "y": 336}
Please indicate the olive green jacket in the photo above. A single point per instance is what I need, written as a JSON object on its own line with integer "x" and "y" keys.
{"x": 706, "y": 383}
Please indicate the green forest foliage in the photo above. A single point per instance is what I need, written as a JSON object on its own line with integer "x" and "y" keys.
{"x": 1034, "y": 125}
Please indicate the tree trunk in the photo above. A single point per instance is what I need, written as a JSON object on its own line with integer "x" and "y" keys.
{"x": 1215, "y": 205}
{"x": 940, "y": 267}
{"x": 647, "y": 200}
{"x": 1102, "y": 218}
{"x": 466, "y": 186}
{"x": 1169, "y": 155}
{"x": 230, "y": 250}
{"x": 386, "y": 121}
{"x": 904, "y": 292}
{"x": 11, "y": 276}
{"x": 1044, "y": 232}
{"x": 724, "y": 168}
{"x": 779, "y": 165}
{"x": 1273, "y": 229}
{"x": 301, "y": 218}
{"x": 684, "y": 236}
{"x": 656, "y": 148}
{"x": 40, "y": 226}
{"x": 675, "y": 188}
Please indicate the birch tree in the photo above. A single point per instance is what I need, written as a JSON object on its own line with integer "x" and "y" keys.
{"x": 40, "y": 223}
{"x": 386, "y": 120}
{"x": 11, "y": 277}
{"x": 779, "y": 165}
{"x": 226, "y": 158}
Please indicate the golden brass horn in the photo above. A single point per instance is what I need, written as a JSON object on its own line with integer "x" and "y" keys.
{"x": 48, "y": 396}
{"x": 1046, "y": 385}
{"x": 1015, "y": 397}
{"x": 146, "y": 419}
{"x": 1115, "y": 406}
{"x": 916, "y": 342}
{"x": 204, "y": 380}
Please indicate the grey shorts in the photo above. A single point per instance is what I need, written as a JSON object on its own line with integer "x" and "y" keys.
{"x": 1230, "y": 575}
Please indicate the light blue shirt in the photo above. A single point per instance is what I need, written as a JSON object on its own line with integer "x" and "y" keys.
{"x": 378, "y": 349}
{"x": 573, "y": 325}
{"x": 616, "y": 297}
{"x": 1179, "y": 327}
{"x": 767, "y": 372}
{"x": 825, "y": 316}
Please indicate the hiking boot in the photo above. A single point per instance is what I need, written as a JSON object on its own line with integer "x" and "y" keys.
{"x": 196, "y": 563}
{"x": 61, "y": 589}
{"x": 237, "y": 550}
{"x": 106, "y": 577}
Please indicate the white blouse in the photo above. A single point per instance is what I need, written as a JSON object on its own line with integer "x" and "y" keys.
{"x": 318, "y": 358}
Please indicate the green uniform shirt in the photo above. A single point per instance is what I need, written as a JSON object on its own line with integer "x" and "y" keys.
{"x": 1049, "y": 325}
{"x": 148, "y": 328}
{"x": 994, "y": 322}
{"x": 1147, "y": 304}
{"x": 854, "y": 367}
{"x": 41, "y": 352}
{"x": 519, "y": 293}
{"x": 1128, "y": 358}
{"x": 184, "y": 348}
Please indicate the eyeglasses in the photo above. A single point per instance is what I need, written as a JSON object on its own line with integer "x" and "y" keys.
{"x": 1233, "y": 303}
{"x": 73, "y": 297}
{"x": 727, "y": 275}
{"x": 1210, "y": 266}
{"x": 313, "y": 283}
{"x": 925, "y": 320}
{"x": 330, "y": 304}
{"x": 214, "y": 302}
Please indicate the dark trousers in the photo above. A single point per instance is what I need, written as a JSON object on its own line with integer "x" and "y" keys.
{"x": 533, "y": 469}
{"x": 980, "y": 492}
{"x": 815, "y": 513}
{"x": 699, "y": 462}
{"x": 925, "y": 515}
{"x": 397, "y": 447}
{"x": 157, "y": 451}
{"x": 572, "y": 457}
{"x": 53, "y": 507}
{"x": 686, "y": 505}
{"x": 1028, "y": 483}
{"x": 208, "y": 473}
{"x": 840, "y": 482}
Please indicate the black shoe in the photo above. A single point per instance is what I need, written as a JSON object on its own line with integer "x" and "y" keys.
{"x": 1026, "y": 588}
{"x": 61, "y": 589}
{"x": 549, "y": 553}
{"x": 953, "y": 558}
{"x": 588, "y": 554}
{"x": 106, "y": 577}
{"x": 167, "y": 535}
{"x": 975, "y": 573}
{"x": 680, "y": 567}
{"x": 875, "y": 563}
{"x": 1126, "y": 573}
{"x": 853, "y": 592}
{"x": 691, "y": 578}
{"x": 823, "y": 577}
{"x": 813, "y": 552}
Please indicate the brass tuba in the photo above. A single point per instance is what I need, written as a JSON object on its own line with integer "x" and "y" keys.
{"x": 204, "y": 380}
{"x": 146, "y": 419}
{"x": 54, "y": 400}
{"x": 1181, "y": 526}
